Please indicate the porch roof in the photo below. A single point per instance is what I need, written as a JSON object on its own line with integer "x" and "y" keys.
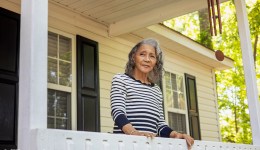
{"x": 135, "y": 19}
{"x": 123, "y": 16}
{"x": 180, "y": 44}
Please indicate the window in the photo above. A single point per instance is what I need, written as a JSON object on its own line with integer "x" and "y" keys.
{"x": 58, "y": 109}
{"x": 59, "y": 81}
{"x": 175, "y": 102}
{"x": 181, "y": 104}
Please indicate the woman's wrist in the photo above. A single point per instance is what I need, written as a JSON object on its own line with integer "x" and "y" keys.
{"x": 129, "y": 129}
{"x": 132, "y": 132}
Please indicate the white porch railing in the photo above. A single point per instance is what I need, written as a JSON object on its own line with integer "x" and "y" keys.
{"x": 50, "y": 139}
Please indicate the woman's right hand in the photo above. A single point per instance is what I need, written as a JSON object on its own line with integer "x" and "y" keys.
{"x": 147, "y": 134}
{"x": 130, "y": 130}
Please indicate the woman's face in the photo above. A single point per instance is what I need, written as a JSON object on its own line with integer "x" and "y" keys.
{"x": 145, "y": 59}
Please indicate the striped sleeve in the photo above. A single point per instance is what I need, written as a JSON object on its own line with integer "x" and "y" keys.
{"x": 118, "y": 104}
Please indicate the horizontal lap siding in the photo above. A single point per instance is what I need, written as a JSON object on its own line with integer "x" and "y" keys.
{"x": 113, "y": 56}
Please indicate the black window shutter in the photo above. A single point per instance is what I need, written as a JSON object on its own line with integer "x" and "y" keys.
{"x": 9, "y": 77}
{"x": 193, "y": 110}
{"x": 88, "y": 113}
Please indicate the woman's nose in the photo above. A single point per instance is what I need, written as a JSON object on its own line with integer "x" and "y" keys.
{"x": 147, "y": 58}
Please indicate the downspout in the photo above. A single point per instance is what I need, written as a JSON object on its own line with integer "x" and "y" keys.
{"x": 249, "y": 69}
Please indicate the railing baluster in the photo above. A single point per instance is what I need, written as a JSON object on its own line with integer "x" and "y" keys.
{"x": 121, "y": 145}
{"x": 170, "y": 146}
{"x": 105, "y": 144}
{"x": 135, "y": 145}
{"x": 180, "y": 147}
{"x": 159, "y": 146}
{"x": 148, "y": 146}
{"x": 88, "y": 144}
{"x": 69, "y": 143}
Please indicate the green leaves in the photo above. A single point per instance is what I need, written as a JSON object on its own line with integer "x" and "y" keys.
{"x": 231, "y": 89}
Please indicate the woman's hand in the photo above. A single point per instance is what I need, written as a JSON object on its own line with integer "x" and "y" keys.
{"x": 147, "y": 134}
{"x": 189, "y": 139}
{"x": 130, "y": 130}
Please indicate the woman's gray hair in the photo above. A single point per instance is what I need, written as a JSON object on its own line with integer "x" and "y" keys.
{"x": 156, "y": 74}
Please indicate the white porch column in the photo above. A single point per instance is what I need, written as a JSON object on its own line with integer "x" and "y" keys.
{"x": 33, "y": 71}
{"x": 250, "y": 76}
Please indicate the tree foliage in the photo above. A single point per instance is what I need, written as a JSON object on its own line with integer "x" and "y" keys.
{"x": 231, "y": 89}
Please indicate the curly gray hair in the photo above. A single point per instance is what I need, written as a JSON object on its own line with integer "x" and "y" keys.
{"x": 156, "y": 74}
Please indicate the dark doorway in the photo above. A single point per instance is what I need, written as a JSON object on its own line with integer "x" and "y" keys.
{"x": 88, "y": 114}
{"x": 9, "y": 77}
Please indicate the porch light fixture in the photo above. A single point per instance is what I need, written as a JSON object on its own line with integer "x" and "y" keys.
{"x": 213, "y": 17}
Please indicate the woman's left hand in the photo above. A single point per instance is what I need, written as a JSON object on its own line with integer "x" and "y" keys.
{"x": 189, "y": 140}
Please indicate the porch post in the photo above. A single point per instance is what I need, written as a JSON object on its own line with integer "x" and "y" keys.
{"x": 248, "y": 63}
{"x": 33, "y": 71}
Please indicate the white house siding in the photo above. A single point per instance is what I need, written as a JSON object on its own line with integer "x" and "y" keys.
{"x": 112, "y": 58}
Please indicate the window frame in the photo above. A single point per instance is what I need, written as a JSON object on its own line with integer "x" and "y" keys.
{"x": 175, "y": 110}
{"x": 72, "y": 89}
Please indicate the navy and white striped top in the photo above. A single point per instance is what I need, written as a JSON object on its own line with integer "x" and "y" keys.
{"x": 139, "y": 104}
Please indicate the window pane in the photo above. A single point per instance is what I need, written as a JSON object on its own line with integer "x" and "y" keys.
{"x": 181, "y": 101}
{"x": 58, "y": 109}
{"x": 65, "y": 73}
{"x": 167, "y": 80}
{"x": 61, "y": 123}
{"x": 173, "y": 81}
{"x": 175, "y": 91}
{"x": 175, "y": 99}
{"x": 180, "y": 84}
{"x": 177, "y": 122}
{"x": 50, "y": 122}
{"x": 52, "y": 44}
{"x": 51, "y": 102}
{"x": 52, "y": 71}
{"x": 169, "y": 99}
{"x": 65, "y": 48}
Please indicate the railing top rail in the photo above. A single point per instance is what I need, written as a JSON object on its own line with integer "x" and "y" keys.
{"x": 51, "y": 139}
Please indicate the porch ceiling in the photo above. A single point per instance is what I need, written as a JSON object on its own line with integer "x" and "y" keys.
{"x": 123, "y": 16}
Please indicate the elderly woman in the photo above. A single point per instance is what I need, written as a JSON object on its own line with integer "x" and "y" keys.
{"x": 136, "y": 101}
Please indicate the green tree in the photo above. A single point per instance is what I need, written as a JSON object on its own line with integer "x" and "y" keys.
{"x": 233, "y": 108}
{"x": 205, "y": 35}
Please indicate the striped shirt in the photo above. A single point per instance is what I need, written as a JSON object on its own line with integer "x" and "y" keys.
{"x": 139, "y": 104}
